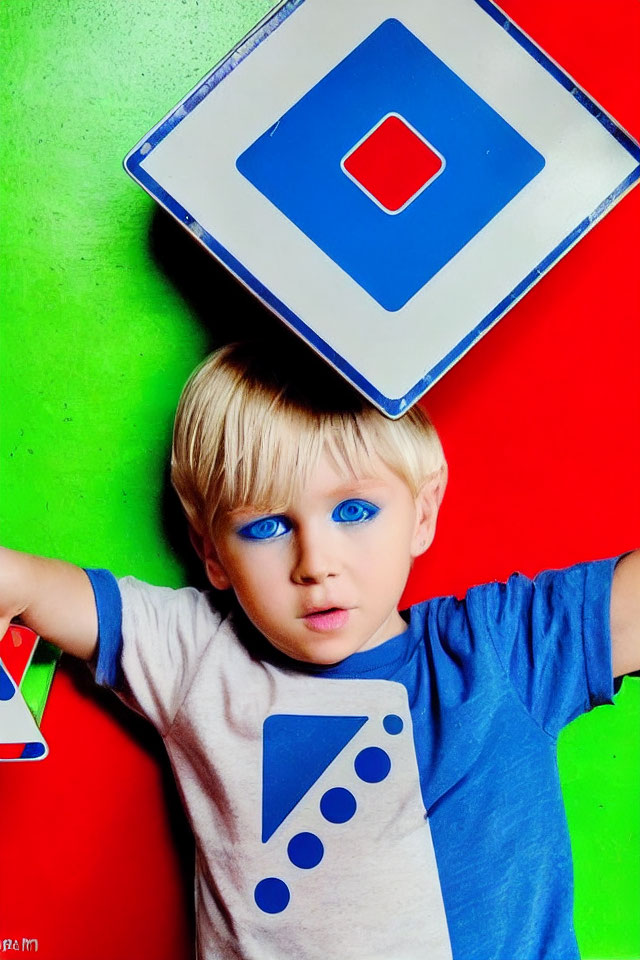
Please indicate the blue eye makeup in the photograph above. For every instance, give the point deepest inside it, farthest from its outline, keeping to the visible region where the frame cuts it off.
(266, 528)
(354, 511)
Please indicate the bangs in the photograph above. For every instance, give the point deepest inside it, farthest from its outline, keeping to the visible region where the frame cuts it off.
(268, 460)
(267, 465)
(249, 434)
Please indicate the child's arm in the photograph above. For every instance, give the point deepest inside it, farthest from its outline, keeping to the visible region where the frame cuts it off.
(625, 615)
(52, 597)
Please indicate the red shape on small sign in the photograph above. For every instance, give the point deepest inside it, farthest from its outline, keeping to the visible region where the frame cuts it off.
(11, 751)
(16, 648)
(393, 164)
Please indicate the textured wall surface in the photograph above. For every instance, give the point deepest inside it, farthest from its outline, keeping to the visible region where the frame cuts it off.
(105, 307)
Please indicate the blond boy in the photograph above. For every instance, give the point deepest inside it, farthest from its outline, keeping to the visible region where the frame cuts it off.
(361, 783)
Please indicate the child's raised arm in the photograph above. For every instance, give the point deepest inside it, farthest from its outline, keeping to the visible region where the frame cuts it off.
(52, 597)
(625, 615)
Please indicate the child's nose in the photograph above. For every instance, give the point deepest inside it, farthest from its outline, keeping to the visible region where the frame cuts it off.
(315, 560)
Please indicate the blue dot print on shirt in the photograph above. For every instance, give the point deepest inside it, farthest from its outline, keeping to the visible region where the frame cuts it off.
(305, 850)
(372, 764)
(338, 805)
(393, 724)
(272, 895)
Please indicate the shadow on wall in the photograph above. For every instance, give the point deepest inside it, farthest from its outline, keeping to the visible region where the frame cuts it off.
(225, 309)
(226, 312)
(148, 740)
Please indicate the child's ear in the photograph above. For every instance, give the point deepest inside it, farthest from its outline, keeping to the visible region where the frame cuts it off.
(428, 503)
(207, 553)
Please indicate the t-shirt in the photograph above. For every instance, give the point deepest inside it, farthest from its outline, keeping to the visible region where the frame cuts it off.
(403, 804)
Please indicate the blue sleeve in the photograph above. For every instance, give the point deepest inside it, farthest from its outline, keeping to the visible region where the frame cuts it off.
(109, 609)
(552, 636)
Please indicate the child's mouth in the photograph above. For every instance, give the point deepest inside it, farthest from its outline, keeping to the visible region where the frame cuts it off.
(334, 618)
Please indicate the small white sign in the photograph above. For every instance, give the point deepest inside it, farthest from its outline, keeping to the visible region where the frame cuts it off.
(20, 738)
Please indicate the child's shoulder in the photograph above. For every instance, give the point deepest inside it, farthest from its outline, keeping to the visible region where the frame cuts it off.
(519, 597)
(548, 637)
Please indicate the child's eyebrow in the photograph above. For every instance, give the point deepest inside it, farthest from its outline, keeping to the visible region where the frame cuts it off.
(360, 485)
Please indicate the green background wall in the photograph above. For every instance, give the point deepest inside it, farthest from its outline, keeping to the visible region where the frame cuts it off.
(105, 307)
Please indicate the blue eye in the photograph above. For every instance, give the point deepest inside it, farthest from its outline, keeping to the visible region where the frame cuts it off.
(354, 511)
(266, 528)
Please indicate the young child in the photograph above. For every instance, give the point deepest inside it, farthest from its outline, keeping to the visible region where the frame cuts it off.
(361, 783)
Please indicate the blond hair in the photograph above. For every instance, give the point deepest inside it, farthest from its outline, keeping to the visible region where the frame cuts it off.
(254, 419)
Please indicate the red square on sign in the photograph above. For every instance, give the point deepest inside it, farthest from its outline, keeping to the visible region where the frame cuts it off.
(393, 163)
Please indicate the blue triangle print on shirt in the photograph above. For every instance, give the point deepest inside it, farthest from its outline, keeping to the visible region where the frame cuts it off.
(296, 752)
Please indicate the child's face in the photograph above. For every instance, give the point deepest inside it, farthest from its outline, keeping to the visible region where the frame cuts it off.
(323, 580)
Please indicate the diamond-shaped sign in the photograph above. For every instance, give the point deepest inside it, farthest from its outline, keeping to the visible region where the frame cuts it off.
(294, 165)
(388, 177)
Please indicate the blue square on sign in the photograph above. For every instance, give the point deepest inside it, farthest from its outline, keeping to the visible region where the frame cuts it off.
(296, 164)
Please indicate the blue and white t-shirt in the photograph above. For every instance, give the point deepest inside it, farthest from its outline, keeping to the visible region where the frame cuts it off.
(403, 804)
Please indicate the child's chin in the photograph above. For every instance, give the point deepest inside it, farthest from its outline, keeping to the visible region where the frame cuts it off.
(326, 661)
(327, 657)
